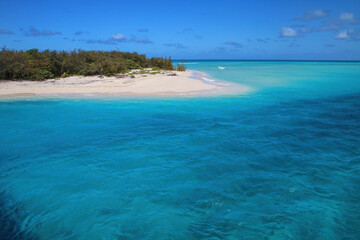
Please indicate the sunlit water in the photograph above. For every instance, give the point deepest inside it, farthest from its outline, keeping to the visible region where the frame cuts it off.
(282, 162)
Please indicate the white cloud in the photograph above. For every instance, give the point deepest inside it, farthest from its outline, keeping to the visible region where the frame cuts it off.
(347, 17)
(140, 40)
(114, 39)
(234, 44)
(6, 31)
(344, 34)
(288, 32)
(176, 45)
(313, 14)
(319, 13)
(305, 30)
(36, 33)
(118, 37)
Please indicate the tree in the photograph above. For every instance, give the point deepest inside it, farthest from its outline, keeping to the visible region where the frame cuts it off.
(36, 65)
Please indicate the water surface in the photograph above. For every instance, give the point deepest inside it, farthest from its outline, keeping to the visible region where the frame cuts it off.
(280, 163)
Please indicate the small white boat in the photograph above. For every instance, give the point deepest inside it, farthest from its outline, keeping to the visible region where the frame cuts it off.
(219, 67)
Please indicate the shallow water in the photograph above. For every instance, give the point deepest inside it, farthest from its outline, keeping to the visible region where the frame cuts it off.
(280, 163)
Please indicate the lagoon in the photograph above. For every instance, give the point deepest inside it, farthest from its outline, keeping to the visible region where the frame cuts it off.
(281, 162)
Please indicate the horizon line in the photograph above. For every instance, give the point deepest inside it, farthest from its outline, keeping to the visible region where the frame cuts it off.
(273, 60)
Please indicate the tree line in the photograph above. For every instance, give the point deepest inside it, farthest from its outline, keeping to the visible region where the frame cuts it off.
(39, 65)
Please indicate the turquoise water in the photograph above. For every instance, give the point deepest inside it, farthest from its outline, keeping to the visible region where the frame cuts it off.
(282, 162)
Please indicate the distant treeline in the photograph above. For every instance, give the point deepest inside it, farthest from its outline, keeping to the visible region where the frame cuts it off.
(36, 65)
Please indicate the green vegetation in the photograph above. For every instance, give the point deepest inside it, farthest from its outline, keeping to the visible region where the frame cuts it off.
(35, 65)
(180, 67)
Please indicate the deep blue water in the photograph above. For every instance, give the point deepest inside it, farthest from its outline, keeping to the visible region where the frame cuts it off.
(282, 162)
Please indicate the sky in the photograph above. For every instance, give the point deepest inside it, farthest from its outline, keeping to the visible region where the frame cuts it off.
(263, 29)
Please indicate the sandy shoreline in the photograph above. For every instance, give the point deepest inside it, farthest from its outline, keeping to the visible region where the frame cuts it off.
(188, 83)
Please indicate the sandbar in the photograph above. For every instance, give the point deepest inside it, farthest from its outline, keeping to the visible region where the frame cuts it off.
(160, 83)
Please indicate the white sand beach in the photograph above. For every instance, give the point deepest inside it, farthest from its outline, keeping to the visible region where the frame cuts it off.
(162, 83)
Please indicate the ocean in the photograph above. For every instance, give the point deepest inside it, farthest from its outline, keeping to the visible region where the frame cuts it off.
(281, 162)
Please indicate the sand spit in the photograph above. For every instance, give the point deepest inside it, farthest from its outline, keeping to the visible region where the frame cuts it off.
(160, 83)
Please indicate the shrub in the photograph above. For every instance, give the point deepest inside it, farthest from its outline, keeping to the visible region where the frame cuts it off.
(180, 67)
(41, 74)
(64, 75)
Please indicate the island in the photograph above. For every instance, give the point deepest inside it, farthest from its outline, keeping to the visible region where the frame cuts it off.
(101, 74)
